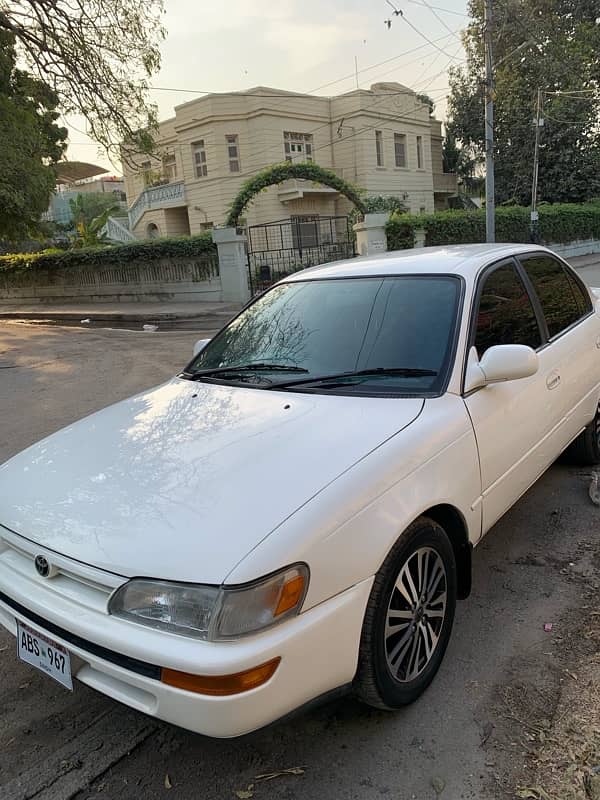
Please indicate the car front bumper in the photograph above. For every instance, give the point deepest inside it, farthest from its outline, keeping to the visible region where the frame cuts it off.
(318, 651)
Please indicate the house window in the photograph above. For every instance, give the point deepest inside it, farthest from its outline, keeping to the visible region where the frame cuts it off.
(169, 166)
(199, 158)
(146, 168)
(400, 149)
(379, 147)
(419, 152)
(233, 153)
(298, 146)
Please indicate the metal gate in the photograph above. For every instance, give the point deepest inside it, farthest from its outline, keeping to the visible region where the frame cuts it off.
(277, 249)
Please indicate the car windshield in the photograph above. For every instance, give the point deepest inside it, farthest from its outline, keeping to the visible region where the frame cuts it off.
(351, 335)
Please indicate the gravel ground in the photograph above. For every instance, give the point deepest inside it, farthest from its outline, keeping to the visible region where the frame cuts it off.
(505, 715)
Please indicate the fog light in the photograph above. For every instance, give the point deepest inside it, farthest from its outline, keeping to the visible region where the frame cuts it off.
(220, 685)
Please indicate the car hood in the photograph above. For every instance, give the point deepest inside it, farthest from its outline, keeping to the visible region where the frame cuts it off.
(180, 482)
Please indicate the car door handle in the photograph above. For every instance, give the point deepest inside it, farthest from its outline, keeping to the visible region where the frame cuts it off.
(598, 342)
(553, 380)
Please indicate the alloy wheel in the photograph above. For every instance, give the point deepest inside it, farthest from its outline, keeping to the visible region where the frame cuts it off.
(415, 614)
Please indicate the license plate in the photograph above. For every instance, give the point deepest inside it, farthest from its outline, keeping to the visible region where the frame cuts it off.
(41, 652)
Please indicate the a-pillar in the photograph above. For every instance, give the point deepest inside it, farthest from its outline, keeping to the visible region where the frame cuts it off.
(233, 265)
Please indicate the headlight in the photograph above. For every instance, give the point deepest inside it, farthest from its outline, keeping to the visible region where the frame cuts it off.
(211, 612)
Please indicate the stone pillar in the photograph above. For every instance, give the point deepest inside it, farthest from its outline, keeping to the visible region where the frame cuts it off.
(233, 264)
(419, 237)
(370, 235)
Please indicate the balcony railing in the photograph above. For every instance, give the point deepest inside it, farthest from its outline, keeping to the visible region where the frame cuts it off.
(169, 195)
(445, 182)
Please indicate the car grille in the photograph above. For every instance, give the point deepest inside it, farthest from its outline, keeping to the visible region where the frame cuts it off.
(87, 586)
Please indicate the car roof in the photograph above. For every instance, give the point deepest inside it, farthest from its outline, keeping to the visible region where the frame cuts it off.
(460, 259)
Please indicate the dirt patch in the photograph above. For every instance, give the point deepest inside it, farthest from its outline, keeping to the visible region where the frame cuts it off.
(544, 743)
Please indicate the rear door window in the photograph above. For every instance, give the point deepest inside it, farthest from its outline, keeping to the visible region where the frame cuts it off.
(582, 296)
(506, 314)
(555, 291)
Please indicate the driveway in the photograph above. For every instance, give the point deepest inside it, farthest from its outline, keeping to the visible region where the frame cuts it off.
(469, 736)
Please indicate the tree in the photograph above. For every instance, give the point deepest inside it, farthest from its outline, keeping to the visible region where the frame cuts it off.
(459, 160)
(90, 213)
(427, 101)
(553, 45)
(30, 143)
(89, 205)
(97, 57)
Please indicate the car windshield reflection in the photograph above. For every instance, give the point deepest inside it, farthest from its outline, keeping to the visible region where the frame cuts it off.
(381, 335)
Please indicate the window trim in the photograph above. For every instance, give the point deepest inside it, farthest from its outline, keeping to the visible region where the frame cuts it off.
(420, 152)
(568, 271)
(483, 274)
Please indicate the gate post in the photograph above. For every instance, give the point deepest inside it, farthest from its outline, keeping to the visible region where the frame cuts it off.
(370, 235)
(233, 266)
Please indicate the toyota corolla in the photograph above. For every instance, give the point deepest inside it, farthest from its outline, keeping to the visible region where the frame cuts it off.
(293, 515)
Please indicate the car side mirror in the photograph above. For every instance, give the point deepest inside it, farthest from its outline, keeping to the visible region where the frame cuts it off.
(200, 345)
(503, 362)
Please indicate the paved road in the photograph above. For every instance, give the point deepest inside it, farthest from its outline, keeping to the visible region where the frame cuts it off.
(56, 745)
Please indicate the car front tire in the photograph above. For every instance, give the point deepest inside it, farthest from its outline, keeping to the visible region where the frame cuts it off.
(409, 618)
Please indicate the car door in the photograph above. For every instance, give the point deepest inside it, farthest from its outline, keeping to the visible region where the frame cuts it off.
(513, 421)
(573, 332)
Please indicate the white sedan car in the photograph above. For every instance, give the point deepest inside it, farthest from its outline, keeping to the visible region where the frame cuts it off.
(294, 514)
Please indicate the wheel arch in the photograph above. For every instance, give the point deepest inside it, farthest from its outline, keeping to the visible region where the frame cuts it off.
(453, 522)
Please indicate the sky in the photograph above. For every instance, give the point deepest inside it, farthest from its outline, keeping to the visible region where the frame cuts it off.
(298, 45)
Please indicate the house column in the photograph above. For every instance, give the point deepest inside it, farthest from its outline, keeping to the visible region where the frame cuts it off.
(233, 265)
(370, 235)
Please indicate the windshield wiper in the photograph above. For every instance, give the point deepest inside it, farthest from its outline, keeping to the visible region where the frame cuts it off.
(345, 378)
(259, 366)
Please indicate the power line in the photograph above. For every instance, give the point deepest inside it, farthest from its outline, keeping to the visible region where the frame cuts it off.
(318, 88)
(399, 13)
(439, 19)
(423, 4)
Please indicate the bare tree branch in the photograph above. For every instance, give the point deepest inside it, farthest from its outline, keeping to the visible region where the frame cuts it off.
(97, 56)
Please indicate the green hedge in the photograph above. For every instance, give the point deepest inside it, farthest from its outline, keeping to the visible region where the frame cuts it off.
(148, 250)
(559, 223)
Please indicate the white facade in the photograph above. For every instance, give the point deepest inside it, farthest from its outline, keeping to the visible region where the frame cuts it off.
(382, 139)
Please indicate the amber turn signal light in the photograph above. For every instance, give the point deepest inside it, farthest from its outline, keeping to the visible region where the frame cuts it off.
(220, 685)
(290, 595)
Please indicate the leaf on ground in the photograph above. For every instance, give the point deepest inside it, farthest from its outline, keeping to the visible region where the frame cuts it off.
(533, 793)
(245, 794)
(168, 784)
(268, 776)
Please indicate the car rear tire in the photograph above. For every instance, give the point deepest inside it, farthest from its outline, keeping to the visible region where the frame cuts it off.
(409, 618)
(585, 450)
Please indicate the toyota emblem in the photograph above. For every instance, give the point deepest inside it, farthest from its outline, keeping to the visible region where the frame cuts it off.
(42, 566)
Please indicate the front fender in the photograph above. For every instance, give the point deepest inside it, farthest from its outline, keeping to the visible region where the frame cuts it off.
(346, 531)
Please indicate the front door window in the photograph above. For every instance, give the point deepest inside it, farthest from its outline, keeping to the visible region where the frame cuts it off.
(506, 314)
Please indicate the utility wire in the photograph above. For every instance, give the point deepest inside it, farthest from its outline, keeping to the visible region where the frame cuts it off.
(318, 88)
(440, 20)
(423, 4)
(399, 13)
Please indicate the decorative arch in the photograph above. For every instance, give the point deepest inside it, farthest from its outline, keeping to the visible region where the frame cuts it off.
(283, 172)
